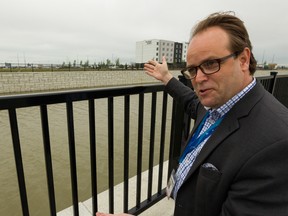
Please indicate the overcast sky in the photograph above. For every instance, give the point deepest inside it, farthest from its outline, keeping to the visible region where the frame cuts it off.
(56, 31)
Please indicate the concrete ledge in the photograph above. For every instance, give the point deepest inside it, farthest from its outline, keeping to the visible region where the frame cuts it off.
(69, 211)
(163, 207)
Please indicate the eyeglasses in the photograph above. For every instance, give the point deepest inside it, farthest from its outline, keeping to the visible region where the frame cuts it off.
(208, 67)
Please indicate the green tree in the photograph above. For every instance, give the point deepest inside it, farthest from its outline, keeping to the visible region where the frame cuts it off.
(108, 62)
(86, 64)
(117, 62)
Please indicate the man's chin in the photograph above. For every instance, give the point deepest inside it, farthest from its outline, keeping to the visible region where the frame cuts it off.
(208, 103)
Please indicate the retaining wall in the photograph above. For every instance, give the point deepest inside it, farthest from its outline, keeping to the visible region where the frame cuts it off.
(21, 82)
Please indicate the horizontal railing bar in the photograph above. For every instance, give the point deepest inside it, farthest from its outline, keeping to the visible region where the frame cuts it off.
(147, 204)
(36, 99)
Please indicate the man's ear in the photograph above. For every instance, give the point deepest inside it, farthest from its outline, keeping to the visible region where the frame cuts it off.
(244, 58)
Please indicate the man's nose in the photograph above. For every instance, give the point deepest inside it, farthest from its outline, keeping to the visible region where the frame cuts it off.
(200, 76)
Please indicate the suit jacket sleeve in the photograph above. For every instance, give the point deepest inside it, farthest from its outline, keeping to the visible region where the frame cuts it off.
(185, 96)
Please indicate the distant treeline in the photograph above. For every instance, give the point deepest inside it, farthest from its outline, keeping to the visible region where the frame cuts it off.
(108, 65)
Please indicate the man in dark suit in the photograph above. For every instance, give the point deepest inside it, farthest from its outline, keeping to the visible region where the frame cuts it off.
(236, 159)
(235, 162)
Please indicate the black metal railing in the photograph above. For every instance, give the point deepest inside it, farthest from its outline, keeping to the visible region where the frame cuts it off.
(276, 85)
(180, 127)
(12, 103)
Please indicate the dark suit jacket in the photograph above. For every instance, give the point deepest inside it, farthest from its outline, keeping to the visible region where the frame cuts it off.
(250, 151)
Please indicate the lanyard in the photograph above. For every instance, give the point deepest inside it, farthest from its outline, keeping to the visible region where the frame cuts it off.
(196, 139)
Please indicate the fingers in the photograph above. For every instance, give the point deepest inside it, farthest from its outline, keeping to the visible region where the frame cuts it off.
(103, 214)
(150, 66)
(100, 214)
(151, 63)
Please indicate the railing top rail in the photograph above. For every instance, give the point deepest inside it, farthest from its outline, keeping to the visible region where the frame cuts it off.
(36, 99)
(264, 77)
(282, 76)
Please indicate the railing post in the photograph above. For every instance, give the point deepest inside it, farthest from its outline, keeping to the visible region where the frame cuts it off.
(272, 85)
(280, 90)
(92, 129)
(18, 161)
(48, 159)
(72, 155)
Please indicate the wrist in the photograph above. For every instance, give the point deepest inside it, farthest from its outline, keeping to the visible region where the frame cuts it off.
(167, 78)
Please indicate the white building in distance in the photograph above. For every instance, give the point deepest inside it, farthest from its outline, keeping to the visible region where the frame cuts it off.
(174, 52)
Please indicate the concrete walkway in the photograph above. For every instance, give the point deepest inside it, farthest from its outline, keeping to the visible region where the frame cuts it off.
(163, 207)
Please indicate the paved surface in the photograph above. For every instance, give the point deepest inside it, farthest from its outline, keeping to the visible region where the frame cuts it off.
(163, 207)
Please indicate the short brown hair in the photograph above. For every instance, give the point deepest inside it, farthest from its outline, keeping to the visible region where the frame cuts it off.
(239, 37)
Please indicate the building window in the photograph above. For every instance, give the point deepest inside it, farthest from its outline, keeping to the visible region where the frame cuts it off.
(157, 54)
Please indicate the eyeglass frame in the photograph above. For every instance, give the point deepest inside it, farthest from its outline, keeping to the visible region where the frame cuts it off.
(219, 61)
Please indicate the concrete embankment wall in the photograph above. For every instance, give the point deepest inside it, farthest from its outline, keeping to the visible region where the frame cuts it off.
(23, 82)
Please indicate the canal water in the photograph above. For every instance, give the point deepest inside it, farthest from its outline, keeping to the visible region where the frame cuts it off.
(33, 155)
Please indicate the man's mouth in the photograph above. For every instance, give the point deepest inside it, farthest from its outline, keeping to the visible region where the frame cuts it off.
(203, 91)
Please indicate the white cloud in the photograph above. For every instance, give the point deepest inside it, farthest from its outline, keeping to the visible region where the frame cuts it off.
(57, 30)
